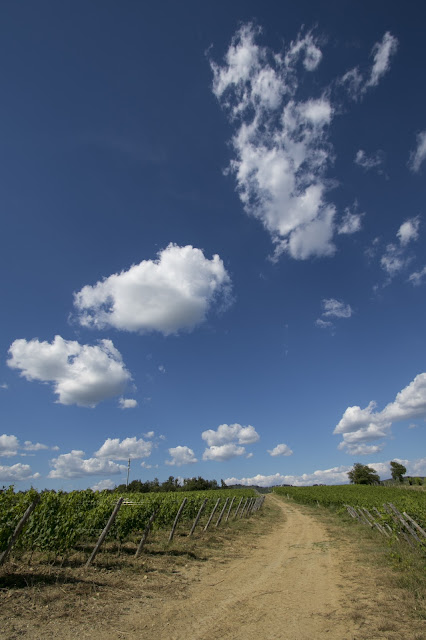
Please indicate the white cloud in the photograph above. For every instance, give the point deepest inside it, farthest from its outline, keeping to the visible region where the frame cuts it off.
(180, 456)
(73, 465)
(361, 425)
(16, 473)
(351, 222)
(128, 448)
(382, 53)
(81, 374)
(9, 445)
(324, 324)
(34, 446)
(281, 145)
(418, 156)
(418, 277)
(408, 231)
(223, 452)
(336, 309)
(169, 294)
(363, 449)
(149, 434)
(127, 403)
(103, 484)
(395, 258)
(373, 161)
(335, 475)
(4, 386)
(228, 432)
(280, 450)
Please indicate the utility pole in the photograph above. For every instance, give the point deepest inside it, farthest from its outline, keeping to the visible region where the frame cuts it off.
(128, 471)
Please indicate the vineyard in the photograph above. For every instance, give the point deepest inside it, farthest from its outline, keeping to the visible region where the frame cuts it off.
(385, 503)
(62, 521)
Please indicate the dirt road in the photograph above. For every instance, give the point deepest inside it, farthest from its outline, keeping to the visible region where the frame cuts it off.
(289, 587)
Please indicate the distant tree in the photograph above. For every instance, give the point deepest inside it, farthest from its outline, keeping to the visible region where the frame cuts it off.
(397, 470)
(362, 474)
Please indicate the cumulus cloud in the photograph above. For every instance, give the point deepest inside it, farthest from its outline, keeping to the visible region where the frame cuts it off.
(103, 484)
(128, 448)
(127, 403)
(81, 374)
(335, 475)
(324, 324)
(180, 456)
(368, 162)
(419, 154)
(34, 446)
(355, 81)
(170, 294)
(395, 258)
(361, 425)
(223, 452)
(4, 386)
(228, 432)
(74, 465)
(16, 473)
(280, 450)
(8, 445)
(149, 434)
(281, 143)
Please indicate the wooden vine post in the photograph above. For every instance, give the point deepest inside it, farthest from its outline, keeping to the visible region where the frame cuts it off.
(238, 508)
(211, 515)
(146, 532)
(200, 511)
(222, 512)
(104, 532)
(172, 532)
(229, 510)
(19, 528)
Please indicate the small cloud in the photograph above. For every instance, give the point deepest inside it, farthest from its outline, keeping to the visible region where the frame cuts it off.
(336, 309)
(249, 455)
(55, 448)
(16, 473)
(351, 222)
(162, 437)
(408, 231)
(280, 450)
(418, 277)
(223, 452)
(229, 432)
(162, 368)
(127, 448)
(369, 162)
(180, 456)
(413, 425)
(30, 446)
(324, 324)
(149, 434)
(419, 154)
(4, 386)
(127, 403)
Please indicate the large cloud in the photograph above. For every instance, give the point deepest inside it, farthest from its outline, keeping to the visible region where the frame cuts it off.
(16, 473)
(8, 445)
(223, 452)
(81, 374)
(74, 465)
(281, 144)
(128, 448)
(181, 455)
(169, 294)
(228, 432)
(364, 425)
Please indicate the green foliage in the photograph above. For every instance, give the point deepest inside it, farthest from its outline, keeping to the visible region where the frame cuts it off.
(413, 502)
(62, 520)
(397, 471)
(362, 474)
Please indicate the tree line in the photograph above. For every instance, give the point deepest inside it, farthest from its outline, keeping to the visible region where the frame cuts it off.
(363, 474)
(171, 484)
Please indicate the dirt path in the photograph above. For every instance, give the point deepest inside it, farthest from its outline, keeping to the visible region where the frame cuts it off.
(287, 588)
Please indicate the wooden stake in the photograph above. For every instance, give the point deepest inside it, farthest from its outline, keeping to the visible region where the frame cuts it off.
(414, 523)
(172, 532)
(403, 522)
(146, 532)
(238, 508)
(244, 508)
(229, 510)
(211, 515)
(198, 517)
(104, 532)
(222, 512)
(18, 528)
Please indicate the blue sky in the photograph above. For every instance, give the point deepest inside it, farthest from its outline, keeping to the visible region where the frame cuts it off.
(213, 241)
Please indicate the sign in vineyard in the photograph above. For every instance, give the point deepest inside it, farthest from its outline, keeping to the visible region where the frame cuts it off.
(57, 521)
